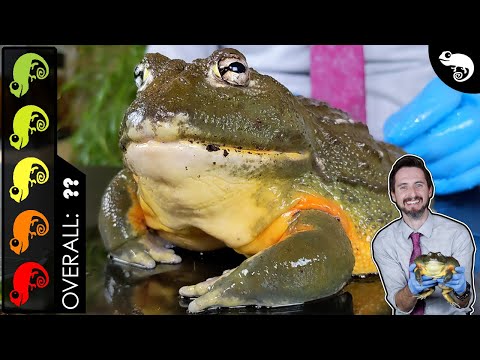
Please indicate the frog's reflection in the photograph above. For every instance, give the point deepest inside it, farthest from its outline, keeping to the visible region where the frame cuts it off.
(130, 290)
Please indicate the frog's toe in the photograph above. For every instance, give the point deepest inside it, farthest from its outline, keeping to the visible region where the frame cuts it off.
(133, 253)
(198, 289)
(159, 250)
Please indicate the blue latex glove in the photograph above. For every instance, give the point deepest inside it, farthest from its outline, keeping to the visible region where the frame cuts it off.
(442, 126)
(458, 282)
(414, 286)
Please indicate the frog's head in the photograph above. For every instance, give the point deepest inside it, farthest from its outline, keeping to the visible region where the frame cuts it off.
(431, 264)
(212, 102)
(435, 256)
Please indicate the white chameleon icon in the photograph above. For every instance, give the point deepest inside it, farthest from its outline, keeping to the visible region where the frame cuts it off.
(458, 61)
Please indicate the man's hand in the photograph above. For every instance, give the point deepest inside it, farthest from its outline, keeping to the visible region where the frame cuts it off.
(416, 287)
(442, 126)
(458, 282)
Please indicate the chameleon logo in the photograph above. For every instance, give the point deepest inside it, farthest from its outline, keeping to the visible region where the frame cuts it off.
(28, 276)
(27, 225)
(27, 120)
(28, 67)
(456, 61)
(27, 172)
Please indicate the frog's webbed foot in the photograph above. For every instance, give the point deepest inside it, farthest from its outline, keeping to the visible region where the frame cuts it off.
(123, 229)
(144, 252)
(314, 261)
(447, 294)
(426, 293)
(202, 287)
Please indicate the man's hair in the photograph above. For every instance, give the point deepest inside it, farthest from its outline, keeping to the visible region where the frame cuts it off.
(409, 161)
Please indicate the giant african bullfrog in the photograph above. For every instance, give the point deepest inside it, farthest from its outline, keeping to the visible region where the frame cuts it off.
(437, 266)
(219, 155)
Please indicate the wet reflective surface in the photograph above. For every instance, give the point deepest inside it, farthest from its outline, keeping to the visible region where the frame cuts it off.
(118, 289)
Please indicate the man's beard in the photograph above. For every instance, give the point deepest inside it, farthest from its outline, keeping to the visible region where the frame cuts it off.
(414, 214)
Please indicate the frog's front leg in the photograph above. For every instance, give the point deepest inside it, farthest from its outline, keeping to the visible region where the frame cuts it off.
(123, 229)
(314, 261)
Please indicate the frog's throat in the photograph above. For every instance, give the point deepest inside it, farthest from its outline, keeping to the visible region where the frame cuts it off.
(435, 268)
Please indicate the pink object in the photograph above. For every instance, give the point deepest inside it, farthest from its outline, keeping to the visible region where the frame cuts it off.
(337, 74)
(419, 308)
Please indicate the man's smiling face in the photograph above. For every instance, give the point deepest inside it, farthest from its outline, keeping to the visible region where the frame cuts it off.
(411, 192)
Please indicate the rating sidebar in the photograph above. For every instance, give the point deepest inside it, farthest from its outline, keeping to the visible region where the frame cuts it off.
(29, 110)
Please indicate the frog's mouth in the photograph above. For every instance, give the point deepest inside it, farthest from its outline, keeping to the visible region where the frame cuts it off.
(171, 161)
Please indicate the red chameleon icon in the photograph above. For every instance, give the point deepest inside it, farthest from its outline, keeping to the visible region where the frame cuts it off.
(27, 277)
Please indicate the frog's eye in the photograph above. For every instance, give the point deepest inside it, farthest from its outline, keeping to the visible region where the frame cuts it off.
(448, 54)
(233, 70)
(142, 76)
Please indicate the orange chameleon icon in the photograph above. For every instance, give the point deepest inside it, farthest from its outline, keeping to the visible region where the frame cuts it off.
(26, 226)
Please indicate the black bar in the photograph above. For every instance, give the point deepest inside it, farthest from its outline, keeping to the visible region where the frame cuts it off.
(29, 99)
(70, 242)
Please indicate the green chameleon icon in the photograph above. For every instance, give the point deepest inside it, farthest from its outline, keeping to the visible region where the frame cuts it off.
(27, 120)
(27, 172)
(22, 72)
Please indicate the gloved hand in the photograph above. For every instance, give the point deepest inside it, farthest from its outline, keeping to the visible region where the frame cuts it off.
(458, 282)
(442, 126)
(415, 287)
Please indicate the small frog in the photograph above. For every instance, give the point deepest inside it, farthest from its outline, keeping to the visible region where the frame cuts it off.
(219, 155)
(27, 120)
(23, 179)
(23, 232)
(22, 73)
(437, 266)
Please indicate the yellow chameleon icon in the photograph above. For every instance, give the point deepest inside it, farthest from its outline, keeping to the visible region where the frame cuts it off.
(27, 172)
(27, 120)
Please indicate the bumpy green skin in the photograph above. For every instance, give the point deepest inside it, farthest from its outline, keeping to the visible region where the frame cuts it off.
(345, 164)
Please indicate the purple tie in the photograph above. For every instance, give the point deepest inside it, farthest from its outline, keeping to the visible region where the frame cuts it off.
(419, 308)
